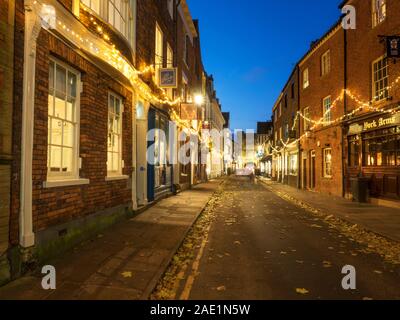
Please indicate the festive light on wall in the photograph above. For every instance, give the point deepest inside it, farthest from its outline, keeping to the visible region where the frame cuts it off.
(105, 50)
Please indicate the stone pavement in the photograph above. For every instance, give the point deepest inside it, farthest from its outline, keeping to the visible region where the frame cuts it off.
(127, 260)
(380, 220)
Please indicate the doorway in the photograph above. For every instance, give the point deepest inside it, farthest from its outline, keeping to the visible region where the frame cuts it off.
(305, 173)
(312, 169)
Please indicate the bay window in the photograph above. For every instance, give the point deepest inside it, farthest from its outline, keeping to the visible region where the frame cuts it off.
(63, 122)
(92, 4)
(118, 13)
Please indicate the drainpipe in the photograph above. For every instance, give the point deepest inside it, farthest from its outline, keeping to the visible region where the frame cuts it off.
(32, 29)
(345, 112)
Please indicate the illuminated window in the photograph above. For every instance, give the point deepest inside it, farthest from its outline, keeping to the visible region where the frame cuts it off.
(380, 79)
(118, 13)
(327, 165)
(170, 64)
(293, 165)
(92, 4)
(306, 80)
(378, 12)
(382, 147)
(306, 123)
(63, 122)
(326, 63)
(159, 51)
(327, 106)
(114, 145)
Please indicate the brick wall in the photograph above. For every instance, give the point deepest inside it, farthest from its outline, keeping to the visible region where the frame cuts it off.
(364, 48)
(312, 97)
(59, 205)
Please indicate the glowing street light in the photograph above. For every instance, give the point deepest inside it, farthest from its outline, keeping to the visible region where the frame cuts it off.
(198, 99)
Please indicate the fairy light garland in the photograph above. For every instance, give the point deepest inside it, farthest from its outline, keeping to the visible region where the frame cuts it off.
(361, 106)
(107, 52)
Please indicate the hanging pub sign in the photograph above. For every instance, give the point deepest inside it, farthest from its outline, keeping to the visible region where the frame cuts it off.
(393, 46)
(168, 78)
(189, 111)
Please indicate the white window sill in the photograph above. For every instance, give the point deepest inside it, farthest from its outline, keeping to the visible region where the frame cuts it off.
(65, 183)
(117, 178)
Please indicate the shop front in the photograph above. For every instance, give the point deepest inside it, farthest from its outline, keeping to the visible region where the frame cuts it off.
(373, 152)
(159, 173)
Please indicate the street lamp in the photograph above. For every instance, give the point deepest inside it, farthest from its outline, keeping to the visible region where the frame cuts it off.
(198, 99)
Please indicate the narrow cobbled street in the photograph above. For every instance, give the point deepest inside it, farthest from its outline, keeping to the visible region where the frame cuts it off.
(250, 243)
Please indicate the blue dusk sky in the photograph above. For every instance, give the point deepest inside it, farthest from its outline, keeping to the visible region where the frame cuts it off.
(251, 47)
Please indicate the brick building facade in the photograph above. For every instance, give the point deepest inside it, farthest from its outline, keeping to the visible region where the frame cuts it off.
(322, 73)
(348, 100)
(85, 93)
(373, 151)
(285, 161)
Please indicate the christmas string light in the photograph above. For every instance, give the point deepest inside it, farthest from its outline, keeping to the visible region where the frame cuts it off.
(108, 53)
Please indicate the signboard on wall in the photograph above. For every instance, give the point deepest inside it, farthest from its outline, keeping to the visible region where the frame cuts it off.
(189, 111)
(381, 122)
(393, 47)
(168, 78)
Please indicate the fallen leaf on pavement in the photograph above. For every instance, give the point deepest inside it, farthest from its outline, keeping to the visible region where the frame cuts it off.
(302, 291)
(127, 274)
(316, 226)
(327, 264)
(221, 288)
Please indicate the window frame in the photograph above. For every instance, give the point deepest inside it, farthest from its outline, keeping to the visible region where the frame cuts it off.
(377, 138)
(375, 14)
(375, 96)
(74, 174)
(293, 170)
(326, 63)
(324, 165)
(120, 135)
(306, 114)
(306, 80)
(103, 13)
(170, 6)
(327, 119)
(159, 48)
